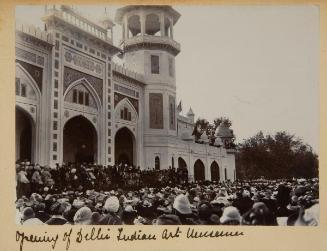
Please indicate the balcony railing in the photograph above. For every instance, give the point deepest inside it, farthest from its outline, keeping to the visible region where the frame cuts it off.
(150, 39)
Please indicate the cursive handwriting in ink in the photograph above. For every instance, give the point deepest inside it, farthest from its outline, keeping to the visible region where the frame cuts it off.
(170, 235)
(67, 238)
(135, 236)
(192, 233)
(20, 236)
(94, 235)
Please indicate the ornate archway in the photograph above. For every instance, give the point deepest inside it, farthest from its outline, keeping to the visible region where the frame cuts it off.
(125, 152)
(25, 136)
(214, 168)
(80, 141)
(199, 170)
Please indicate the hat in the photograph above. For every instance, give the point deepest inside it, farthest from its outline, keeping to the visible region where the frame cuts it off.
(221, 200)
(83, 216)
(27, 213)
(129, 208)
(311, 215)
(19, 203)
(230, 214)
(168, 219)
(182, 204)
(112, 204)
(78, 203)
(95, 218)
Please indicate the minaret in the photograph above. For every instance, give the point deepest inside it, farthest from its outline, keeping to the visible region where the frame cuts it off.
(149, 49)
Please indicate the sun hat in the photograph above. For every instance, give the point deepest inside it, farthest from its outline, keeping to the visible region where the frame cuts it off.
(83, 216)
(112, 204)
(230, 214)
(182, 204)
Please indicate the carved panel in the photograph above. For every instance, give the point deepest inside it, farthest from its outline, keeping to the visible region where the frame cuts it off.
(156, 110)
(126, 91)
(71, 75)
(34, 71)
(83, 62)
(119, 97)
(172, 120)
(29, 56)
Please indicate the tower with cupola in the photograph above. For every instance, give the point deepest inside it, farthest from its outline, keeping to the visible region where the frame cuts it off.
(149, 48)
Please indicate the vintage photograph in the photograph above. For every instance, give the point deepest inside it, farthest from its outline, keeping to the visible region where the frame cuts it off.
(167, 115)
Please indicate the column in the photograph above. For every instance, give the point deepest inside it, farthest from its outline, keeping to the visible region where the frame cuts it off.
(162, 25)
(142, 21)
(125, 27)
(171, 29)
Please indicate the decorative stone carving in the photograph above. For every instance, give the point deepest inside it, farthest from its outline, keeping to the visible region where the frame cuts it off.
(119, 97)
(34, 71)
(172, 111)
(126, 90)
(66, 114)
(156, 110)
(71, 75)
(83, 62)
(32, 109)
(29, 56)
(40, 60)
(94, 119)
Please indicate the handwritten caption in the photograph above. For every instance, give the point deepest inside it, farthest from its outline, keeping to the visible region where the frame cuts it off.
(118, 234)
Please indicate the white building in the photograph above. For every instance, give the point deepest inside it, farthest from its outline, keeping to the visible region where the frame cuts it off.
(73, 104)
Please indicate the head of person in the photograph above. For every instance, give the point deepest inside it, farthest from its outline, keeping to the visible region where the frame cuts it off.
(205, 210)
(112, 205)
(230, 216)
(129, 215)
(83, 216)
(27, 213)
(182, 205)
(167, 219)
(260, 215)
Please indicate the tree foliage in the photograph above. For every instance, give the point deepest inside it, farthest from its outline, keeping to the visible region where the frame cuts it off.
(275, 156)
(204, 126)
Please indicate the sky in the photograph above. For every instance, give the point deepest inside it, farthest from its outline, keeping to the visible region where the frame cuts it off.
(256, 65)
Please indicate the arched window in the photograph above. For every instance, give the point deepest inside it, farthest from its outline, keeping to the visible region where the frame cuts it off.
(152, 25)
(157, 163)
(225, 174)
(172, 162)
(134, 25)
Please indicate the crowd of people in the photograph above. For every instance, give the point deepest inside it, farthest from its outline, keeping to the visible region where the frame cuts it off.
(96, 195)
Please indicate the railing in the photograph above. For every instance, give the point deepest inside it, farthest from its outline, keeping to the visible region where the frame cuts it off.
(35, 32)
(81, 23)
(151, 39)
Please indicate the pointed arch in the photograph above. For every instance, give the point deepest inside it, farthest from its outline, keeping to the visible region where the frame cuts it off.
(83, 81)
(32, 82)
(125, 146)
(125, 102)
(215, 172)
(80, 140)
(199, 171)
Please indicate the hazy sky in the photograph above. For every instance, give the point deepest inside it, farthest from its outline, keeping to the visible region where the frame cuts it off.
(257, 65)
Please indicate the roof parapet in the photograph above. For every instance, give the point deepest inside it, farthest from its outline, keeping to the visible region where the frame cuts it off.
(35, 32)
(131, 74)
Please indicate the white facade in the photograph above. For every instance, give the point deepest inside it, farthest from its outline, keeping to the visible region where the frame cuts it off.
(74, 104)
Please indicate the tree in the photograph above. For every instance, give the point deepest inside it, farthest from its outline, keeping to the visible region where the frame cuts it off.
(200, 127)
(275, 156)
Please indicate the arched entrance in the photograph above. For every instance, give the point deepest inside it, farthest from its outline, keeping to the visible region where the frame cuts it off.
(181, 163)
(182, 171)
(214, 168)
(80, 141)
(124, 147)
(24, 136)
(199, 172)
